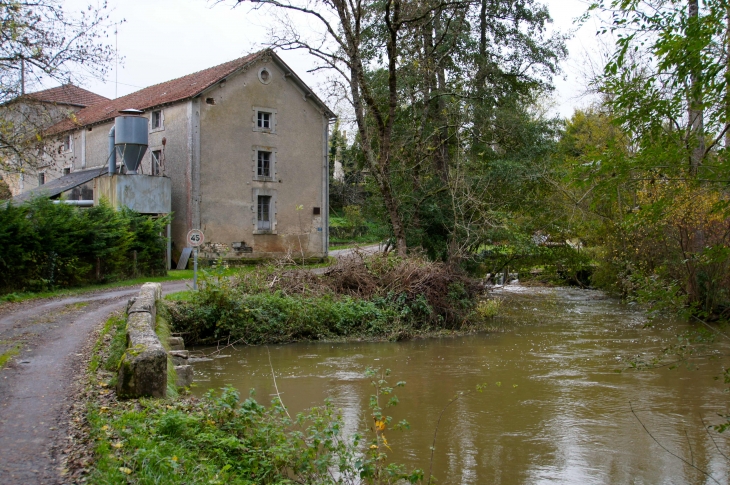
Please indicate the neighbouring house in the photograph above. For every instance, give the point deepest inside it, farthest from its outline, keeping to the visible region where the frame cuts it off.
(23, 119)
(245, 145)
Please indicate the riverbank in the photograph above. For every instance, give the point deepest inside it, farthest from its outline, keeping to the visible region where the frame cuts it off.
(362, 297)
(552, 377)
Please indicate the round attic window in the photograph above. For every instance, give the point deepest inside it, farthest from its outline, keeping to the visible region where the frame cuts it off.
(264, 75)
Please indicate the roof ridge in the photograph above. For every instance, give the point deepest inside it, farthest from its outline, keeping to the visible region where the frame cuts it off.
(168, 92)
(255, 54)
(160, 94)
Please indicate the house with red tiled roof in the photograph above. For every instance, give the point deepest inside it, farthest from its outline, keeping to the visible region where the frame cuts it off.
(24, 118)
(67, 95)
(245, 145)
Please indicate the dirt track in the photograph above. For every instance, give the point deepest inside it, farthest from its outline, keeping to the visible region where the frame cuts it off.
(35, 387)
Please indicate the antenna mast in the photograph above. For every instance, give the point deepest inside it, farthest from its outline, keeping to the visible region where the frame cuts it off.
(116, 53)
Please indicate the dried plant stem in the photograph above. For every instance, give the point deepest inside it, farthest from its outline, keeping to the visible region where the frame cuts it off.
(667, 450)
(436, 430)
(273, 374)
(713, 439)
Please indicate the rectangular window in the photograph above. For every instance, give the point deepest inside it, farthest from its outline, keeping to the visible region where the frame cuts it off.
(41, 179)
(67, 143)
(156, 162)
(156, 120)
(264, 164)
(264, 120)
(263, 219)
(66, 171)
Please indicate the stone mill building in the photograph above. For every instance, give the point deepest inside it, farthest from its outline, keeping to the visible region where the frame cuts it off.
(244, 144)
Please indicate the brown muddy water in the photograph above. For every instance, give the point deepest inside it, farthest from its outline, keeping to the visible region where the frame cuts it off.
(561, 414)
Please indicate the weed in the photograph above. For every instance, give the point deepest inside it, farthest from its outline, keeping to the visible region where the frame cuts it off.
(489, 308)
(9, 354)
(221, 438)
(117, 327)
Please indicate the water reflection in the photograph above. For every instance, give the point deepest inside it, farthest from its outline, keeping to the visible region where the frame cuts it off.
(561, 413)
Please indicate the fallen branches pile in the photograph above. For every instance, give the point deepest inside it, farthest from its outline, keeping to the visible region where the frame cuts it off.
(446, 289)
(363, 297)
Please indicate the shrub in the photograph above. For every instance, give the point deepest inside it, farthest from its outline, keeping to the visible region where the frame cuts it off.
(489, 308)
(673, 250)
(47, 245)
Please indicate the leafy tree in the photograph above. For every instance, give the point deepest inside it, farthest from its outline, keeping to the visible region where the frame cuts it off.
(657, 178)
(667, 83)
(406, 69)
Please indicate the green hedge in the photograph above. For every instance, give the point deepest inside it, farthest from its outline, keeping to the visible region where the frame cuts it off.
(45, 245)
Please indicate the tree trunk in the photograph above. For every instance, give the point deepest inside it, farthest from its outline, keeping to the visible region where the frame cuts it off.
(696, 112)
(727, 80)
(391, 205)
(695, 237)
(442, 152)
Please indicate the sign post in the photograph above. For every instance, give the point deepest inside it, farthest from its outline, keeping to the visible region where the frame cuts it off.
(195, 239)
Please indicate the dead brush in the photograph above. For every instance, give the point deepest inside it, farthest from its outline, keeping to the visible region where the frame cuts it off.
(446, 289)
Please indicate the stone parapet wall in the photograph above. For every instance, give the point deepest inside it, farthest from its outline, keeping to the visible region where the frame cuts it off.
(143, 369)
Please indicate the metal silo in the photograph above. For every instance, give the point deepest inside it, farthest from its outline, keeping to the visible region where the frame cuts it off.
(130, 138)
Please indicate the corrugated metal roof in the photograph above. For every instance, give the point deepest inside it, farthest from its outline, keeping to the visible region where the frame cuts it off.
(60, 185)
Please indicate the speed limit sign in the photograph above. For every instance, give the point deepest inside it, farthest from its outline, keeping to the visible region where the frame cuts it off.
(195, 238)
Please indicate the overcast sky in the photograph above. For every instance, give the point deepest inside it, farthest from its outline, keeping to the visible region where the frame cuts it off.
(164, 39)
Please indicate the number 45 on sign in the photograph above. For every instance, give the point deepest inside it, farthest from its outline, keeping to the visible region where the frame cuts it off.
(195, 239)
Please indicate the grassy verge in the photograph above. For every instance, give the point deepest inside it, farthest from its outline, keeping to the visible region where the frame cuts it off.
(340, 243)
(23, 296)
(175, 275)
(352, 245)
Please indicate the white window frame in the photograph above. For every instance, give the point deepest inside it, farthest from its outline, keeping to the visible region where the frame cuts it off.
(272, 210)
(159, 162)
(272, 119)
(272, 163)
(41, 175)
(162, 120)
(67, 144)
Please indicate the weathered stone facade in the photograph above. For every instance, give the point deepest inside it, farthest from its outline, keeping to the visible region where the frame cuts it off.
(246, 154)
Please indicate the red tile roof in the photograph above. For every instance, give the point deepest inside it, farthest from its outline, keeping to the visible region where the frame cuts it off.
(160, 94)
(68, 94)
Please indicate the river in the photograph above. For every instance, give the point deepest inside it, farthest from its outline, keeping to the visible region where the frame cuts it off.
(558, 403)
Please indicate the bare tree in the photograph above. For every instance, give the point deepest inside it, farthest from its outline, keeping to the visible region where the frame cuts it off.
(40, 42)
(362, 41)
